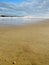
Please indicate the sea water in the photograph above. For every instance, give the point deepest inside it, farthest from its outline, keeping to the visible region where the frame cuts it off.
(18, 20)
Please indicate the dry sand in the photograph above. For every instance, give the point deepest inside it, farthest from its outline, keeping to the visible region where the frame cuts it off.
(28, 45)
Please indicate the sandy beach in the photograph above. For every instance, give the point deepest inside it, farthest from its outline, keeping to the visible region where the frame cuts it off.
(26, 45)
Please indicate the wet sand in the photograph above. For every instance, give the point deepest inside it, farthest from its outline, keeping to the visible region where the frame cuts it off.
(25, 45)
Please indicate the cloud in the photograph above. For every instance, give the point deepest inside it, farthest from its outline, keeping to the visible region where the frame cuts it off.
(27, 7)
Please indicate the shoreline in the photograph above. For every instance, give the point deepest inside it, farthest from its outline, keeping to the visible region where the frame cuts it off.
(24, 24)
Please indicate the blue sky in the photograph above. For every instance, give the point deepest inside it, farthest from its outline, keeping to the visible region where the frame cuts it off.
(25, 7)
(15, 1)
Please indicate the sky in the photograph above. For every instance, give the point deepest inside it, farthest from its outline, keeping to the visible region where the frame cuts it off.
(15, 1)
(35, 8)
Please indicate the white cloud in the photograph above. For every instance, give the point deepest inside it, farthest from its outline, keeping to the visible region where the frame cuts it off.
(28, 7)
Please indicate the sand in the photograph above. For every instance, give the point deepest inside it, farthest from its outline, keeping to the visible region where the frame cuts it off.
(26, 45)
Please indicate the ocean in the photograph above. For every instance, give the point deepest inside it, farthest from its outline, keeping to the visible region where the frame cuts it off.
(19, 20)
